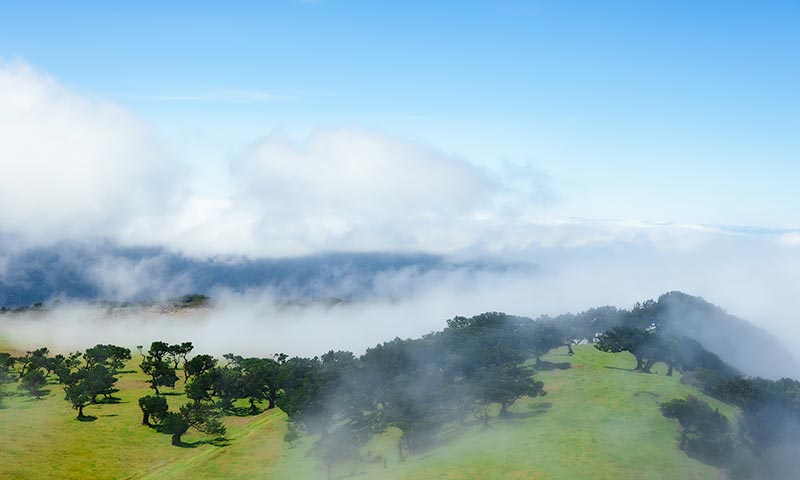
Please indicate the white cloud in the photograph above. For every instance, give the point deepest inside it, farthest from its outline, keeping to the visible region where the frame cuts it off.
(789, 239)
(72, 167)
(220, 96)
(77, 168)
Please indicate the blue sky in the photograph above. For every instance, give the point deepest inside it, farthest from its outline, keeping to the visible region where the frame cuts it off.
(683, 112)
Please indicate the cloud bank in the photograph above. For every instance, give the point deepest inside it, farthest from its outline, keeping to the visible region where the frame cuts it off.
(72, 167)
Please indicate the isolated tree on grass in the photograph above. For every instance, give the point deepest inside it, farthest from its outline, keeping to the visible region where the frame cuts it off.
(153, 407)
(33, 381)
(199, 416)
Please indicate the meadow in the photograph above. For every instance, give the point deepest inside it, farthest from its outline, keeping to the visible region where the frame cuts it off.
(598, 420)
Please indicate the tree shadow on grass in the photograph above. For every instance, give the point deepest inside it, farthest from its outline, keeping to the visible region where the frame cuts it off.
(534, 410)
(45, 394)
(109, 400)
(620, 368)
(87, 418)
(170, 394)
(549, 366)
(215, 442)
(239, 412)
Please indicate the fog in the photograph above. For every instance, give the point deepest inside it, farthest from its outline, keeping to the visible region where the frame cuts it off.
(750, 277)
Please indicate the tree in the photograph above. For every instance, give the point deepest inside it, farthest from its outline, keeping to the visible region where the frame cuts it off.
(341, 446)
(78, 395)
(153, 406)
(506, 385)
(199, 416)
(33, 381)
(99, 381)
(200, 387)
(226, 385)
(158, 365)
(313, 388)
(543, 337)
(645, 346)
(32, 360)
(704, 432)
(83, 382)
(198, 365)
(259, 381)
(179, 353)
(6, 362)
(110, 355)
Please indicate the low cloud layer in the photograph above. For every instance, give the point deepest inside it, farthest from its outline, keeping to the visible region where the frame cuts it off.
(410, 301)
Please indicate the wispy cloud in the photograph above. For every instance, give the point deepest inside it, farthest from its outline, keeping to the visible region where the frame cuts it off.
(215, 96)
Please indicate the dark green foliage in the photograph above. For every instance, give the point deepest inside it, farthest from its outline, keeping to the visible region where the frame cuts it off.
(79, 395)
(227, 386)
(85, 381)
(6, 363)
(543, 337)
(32, 360)
(506, 385)
(199, 416)
(259, 381)
(154, 407)
(198, 365)
(178, 352)
(313, 388)
(160, 366)
(704, 432)
(112, 356)
(769, 426)
(200, 387)
(644, 345)
(33, 382)
(99, 381)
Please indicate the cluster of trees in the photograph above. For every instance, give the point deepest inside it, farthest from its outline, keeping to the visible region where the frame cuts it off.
(769, 426)
(767, 438)
(416, 386)
(85, 376)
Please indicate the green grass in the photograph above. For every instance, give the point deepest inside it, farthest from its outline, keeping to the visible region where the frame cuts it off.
(599, 420)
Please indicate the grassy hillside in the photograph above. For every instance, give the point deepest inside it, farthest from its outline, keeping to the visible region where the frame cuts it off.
(598, 420)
